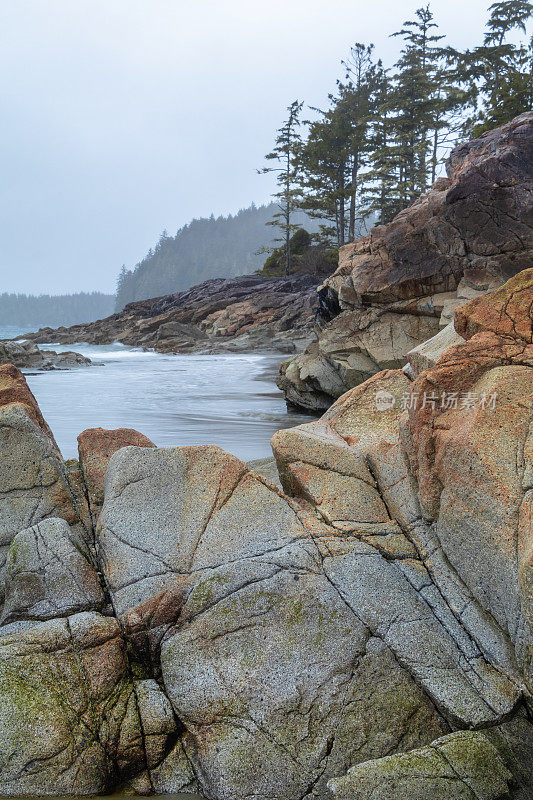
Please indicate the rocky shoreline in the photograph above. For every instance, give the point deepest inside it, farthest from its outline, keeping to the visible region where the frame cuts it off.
(352, 619)
(251, 313)
(400, 285)
(27, 355)
(177, 623)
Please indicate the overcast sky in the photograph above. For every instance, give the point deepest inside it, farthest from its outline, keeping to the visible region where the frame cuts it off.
(124, 117)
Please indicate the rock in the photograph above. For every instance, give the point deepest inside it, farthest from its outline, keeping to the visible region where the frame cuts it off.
(368, 628)
(426, 355)
(34, 482)
(509, 313)
(240, 567)
(69, 712)
(95, 448)
(463, 765)
(395, 287)
(266, 467)
(26, 355)
(47, 576)
(471, 454)
(15, 391)
(221, 315)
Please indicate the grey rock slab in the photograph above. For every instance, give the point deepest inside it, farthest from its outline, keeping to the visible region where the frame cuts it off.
(463, 765)
(47, 576)
(34, 481)
(460, 681)
(426, 355)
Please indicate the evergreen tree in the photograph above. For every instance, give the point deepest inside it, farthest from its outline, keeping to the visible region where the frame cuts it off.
(499, 73)
(382, 186)
(356, 95)
(417, 111)
(335, 155)
(287, 152)
(121, 278)
(325, 172)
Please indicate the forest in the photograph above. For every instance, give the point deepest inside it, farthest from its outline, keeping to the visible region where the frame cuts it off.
(31, 311)
(381, 141)
(205, 248)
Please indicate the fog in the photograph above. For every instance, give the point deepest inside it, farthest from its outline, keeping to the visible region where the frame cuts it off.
(124, 117)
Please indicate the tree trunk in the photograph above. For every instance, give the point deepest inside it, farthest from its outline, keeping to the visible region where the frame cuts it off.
(342, 213)
(288, 243)
(434, 154)
(355, 171)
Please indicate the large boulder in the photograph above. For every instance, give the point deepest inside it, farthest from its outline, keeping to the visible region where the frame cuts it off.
(71, 716)
(464, 765)
(397, 286)
(224, 586)
(34, 481)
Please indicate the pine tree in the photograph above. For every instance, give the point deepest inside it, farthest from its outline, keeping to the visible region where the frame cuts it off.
(417, 113)
(325, 160)
(334, 158)
(356, 95)
(121, 278)
(499, 73)
(381, 191)
(287, 152)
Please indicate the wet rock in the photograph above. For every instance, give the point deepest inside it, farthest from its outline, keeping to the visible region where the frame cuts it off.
(26, 355)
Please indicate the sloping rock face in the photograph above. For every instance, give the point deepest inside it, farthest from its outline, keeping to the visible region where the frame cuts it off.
(95, 448)
(26, 355)
(235, 315)
(365, 633)
(397, 286)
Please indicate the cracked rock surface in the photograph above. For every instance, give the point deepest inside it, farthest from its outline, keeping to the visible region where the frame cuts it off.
(183, 625)
(396, 287)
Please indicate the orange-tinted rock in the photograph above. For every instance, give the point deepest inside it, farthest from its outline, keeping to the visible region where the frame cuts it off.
(455, 375)
(508, 311)
(95, 448)
(15, 390)
(468, 444)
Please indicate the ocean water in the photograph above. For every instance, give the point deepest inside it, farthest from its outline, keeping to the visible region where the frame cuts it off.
(230, 400)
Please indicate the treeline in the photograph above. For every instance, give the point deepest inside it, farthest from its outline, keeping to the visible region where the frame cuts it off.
(29, 311)
(379, 143)
(205, 248)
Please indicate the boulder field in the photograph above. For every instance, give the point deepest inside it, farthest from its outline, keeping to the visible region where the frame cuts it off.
(171, 621)
(400, 285)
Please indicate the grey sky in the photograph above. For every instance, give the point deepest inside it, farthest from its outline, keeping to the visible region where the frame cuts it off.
(124, 117)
